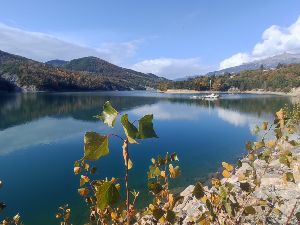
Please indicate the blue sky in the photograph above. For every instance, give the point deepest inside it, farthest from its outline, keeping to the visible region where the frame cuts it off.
(172, 38)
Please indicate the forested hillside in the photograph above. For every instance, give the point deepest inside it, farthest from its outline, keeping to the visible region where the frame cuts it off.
(21, 74)
(283, 78)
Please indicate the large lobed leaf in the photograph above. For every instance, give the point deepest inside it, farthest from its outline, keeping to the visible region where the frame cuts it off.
(109, 114)
(107, 194)
(95, 146)
(130, 130)
(146, 128)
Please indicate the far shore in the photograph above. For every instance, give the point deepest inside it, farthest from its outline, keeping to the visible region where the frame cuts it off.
(294, 93)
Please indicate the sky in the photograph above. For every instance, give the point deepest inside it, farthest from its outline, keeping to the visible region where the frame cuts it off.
(170, 38)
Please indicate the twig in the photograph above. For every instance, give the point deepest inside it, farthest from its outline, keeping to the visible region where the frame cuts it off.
(291, 214)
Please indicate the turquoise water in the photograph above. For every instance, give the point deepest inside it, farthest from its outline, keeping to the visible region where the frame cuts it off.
(41, 135)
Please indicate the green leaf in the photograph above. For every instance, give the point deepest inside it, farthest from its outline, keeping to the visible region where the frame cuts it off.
(95, 146)
(289, 177)
(228, 207)
(198, 191)
(249, 210)
(154, 171)
(293, 143)
(278, 133)
(171, 216)
(284, 160)
(298, 216)
(107, 194)
(210, 209)
(157, 213)
(155, 187)
(146, 128)
(109, 114)
(259, 144)
(130, 130)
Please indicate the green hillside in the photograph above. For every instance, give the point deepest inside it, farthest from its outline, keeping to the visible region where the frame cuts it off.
(21, 74)
(283, 78)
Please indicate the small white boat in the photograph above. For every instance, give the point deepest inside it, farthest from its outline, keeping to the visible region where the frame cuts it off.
(212, 96)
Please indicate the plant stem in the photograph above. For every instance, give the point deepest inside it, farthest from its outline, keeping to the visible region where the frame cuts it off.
(126, 182)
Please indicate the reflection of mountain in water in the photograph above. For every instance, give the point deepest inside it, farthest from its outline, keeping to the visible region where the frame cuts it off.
(258, 106)
(21, 108)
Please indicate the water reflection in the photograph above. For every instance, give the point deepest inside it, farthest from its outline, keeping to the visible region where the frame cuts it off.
(41, 136)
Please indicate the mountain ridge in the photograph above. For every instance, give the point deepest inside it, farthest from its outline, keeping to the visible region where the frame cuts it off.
(18, 73)
(267, 63)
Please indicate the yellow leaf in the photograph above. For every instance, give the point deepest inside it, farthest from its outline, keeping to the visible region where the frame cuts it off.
(125, 155)
(241, 177)
(226, 173)
(227, 166)
(215, 199)
(163, 174)
(86, 166)
(174, 171)
(204, 198)
(171, 200)
(162, 220)
(271, 144)
(204, 221)
(265, 125)
(259, 144)
(77, 170)
(215, 182)
(130, 164)
(280, 114)
(251, 157)
(114, 216)
(83, 180)
(83, 191)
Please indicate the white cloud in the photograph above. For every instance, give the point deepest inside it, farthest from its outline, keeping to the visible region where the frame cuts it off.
(275, 40)
(43, 131)
(171, 67)
(44, 47)
(166, 111)
(235, 60)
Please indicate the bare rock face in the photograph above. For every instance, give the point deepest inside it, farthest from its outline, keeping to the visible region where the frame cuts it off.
(189, 208)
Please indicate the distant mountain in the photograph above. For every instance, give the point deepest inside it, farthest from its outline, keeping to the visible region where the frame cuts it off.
(57, 62)
(21, 74)
(104, 68)
(267, 63)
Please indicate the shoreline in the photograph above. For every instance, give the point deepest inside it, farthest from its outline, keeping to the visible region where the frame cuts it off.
(294, 93)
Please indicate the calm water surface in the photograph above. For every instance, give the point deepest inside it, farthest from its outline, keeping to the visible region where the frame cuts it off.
(41, 135)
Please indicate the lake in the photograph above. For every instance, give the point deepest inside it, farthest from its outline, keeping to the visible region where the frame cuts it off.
(41, 135)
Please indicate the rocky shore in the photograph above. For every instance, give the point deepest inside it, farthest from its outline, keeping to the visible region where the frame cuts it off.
(272, 186)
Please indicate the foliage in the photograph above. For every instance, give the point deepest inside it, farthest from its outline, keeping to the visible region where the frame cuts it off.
(64, 214)
(160, 171)
(283, 78)
(104, 196)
